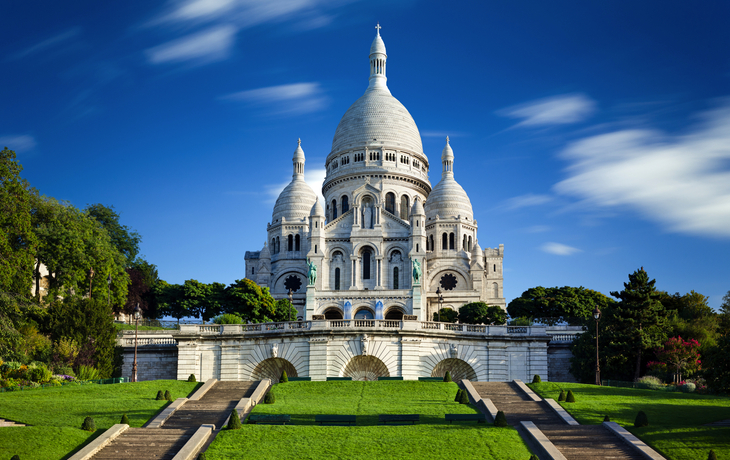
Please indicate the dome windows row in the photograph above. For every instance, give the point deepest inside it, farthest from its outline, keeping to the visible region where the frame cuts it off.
(376, 155)
(448, 241)
(292, 243)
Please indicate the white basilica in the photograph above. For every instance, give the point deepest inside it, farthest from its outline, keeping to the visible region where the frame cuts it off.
(381, 218)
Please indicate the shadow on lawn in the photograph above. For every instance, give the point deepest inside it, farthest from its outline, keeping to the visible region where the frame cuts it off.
(93, 436)
(372, 420)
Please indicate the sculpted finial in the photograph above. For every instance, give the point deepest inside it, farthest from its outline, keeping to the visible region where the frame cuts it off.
(299, 142)
(447, 139)
(378, 28)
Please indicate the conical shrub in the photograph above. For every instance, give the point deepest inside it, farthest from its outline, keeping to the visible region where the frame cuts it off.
(447, 377)
(458, 395)
(284, 378)
(201, 456)
(464, 399)
(712, 455)
(160, 396)
(15, 457)
(607, 419)
(124, 419)
(570, 397)
(561, 396)
(536, 379)
(235, 422)
(641, 419)
(89, 424)
(534, 457)
(192, 378)
(270, 398)
(500, 419)
(168, 396)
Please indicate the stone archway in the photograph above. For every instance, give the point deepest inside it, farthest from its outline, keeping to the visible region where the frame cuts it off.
(458, 368)
(271, 369)
(365, 368)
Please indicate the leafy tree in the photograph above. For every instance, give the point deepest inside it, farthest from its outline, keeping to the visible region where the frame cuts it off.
(169, 299)
(691, 317)
(17, 240)
(639, 316)
(446, 315)
(724, 317)
(717, 365)
(255, 304)
(202, 300)
(228, 318)
(557, 305)
(122, 237)
(481, 313)
(682, 355)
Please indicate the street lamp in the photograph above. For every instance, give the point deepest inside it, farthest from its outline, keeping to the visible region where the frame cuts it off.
(291, 304)
(441, 301)
(597, 316)
(137, 314)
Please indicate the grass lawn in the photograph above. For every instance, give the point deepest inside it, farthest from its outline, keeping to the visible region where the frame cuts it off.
(56, 414)
(431, 438)
(675, 419)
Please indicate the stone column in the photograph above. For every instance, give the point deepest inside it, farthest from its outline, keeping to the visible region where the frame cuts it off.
(418, 300)
(410, 358)
(311, 303)
(230, 361)
(354, 262)
(318, 359)
(497, 362)
(379, 274)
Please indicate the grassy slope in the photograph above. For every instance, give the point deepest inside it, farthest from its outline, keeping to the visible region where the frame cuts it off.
(675, 419)
(57, 413)
(432, 438)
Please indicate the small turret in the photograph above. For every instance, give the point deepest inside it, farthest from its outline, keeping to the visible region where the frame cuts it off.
(447, 160)
(378, 58)
(298, 160)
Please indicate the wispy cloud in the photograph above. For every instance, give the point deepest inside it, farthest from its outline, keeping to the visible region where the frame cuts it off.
(46, 44)
(682, 182)
(530, 199)
(211, 45)
(559, 249)
(557, 110)
(442, 134)
(291, 99)
(20, 144)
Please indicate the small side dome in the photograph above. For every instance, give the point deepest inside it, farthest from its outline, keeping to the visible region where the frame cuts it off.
(476, 251)
(417, 209)
(296, 200)
(317, 210)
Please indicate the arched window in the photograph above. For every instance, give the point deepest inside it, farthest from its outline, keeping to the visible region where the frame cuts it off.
(495, 268)
(278, 245)
(469, 247)
(390, 202)
(345, 204)
(337, 279)
(451, 240)
(366, 264)
(273, 245)
(444, 242)
(495, 288)
(291, 243)
(404, 208)
(334, 209)
(297, 243)
(432, 245)
(395, 277)
(463, 244)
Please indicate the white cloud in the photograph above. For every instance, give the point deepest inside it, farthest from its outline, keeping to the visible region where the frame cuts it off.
(21, 143)
(682, 182)
(213, 44)
(559, 249)
(557, 110)
(48, 43)
(530, 199)
(291, 99)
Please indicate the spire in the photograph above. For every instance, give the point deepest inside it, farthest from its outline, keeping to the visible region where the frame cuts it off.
(298, 161)
(447, 160)
(377, 63)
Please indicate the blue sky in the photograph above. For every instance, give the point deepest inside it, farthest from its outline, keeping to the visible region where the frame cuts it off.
(592, 137)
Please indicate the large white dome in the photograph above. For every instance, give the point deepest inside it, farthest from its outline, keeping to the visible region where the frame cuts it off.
(377, 119)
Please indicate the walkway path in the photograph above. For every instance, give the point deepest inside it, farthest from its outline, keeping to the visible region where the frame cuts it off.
(583, 442)
(163, 443)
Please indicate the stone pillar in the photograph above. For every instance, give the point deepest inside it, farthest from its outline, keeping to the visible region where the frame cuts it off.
(497, 362)
(230, 361)
(379, 274)
(318, 359)
(410, 358)
(354, 262)
(418, 299)
(311, 302)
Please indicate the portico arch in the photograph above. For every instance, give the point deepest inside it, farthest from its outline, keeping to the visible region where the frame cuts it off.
(333, 313)
(272, 368)
(365, 368)
(459, 370)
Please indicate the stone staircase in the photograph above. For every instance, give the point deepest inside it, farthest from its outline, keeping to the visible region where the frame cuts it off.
(584, 442)
(4, 423)
(163, 443)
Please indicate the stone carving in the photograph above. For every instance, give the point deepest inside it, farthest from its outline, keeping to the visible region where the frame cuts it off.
(317, 317)
(410, 318)
(274, 350)
(416, 271)
(364, 343)
(312, 272)
(367, 219)
(453, 350)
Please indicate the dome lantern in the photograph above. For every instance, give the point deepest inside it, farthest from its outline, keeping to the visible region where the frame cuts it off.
(378, 59)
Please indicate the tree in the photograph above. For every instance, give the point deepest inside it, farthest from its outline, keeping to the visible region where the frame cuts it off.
(169, 299)
(122, 237)
(17, 240)
(639, 316)
(558, 305)
(250, 301)
(717, 365)
(691, 317)
(446, 315)
(724, 317)
(681, 355)
(481, 313)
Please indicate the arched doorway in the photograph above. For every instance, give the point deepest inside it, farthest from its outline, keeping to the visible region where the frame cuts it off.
(272, 368)
(365, 368)
(364, 313)
(394, 313)
(333, 313)
(458, 368)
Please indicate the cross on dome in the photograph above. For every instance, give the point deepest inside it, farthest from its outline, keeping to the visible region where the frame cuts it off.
(378, 28)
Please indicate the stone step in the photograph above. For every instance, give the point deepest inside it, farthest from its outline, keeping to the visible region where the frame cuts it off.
(145, 443)
(588, 442)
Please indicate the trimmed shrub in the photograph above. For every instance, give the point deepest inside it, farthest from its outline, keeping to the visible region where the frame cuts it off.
(536, 379)
(235, 422)
(458, 395)
(534, 457)
(464, 397)
(607, 419)
(270, 398)
(192, 378)
(125, 419)
(561, 396)
(500, 419)
(87, 373)
(641, 419)
(570, 397)
(160, 396)
(688, 387)
(201, 456)
(89, 424)
(168, 396)
(712, 455)
(284, 378)
(447, 377)
(15, 457)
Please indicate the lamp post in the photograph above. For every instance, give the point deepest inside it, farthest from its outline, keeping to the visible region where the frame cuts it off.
(597, 316)
(137, 314)
(291, 304)
(441, 301)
